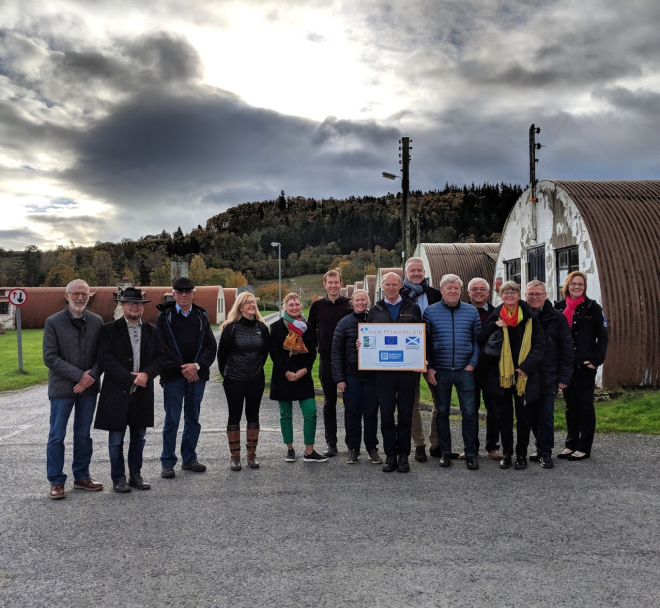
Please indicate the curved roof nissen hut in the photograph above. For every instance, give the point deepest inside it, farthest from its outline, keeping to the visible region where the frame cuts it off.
(610, 230)
(43, 302)
(467, 260)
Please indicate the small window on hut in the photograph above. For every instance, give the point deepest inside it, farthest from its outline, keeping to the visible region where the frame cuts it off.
(513, 270)
(567, 262)
(4, 308)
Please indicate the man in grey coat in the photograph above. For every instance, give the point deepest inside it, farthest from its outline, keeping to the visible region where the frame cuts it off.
(70, 345)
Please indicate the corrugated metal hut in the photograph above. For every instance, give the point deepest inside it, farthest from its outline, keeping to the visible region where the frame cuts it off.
(350, 289)
(359, 284)
(467, 260)
(45, 301)
(370, 286)
(610, 230)
(229, 294)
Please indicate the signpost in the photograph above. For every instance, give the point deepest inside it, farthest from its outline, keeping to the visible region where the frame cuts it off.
(18, 297)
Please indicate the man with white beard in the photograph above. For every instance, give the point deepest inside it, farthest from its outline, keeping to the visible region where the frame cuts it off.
(70, 346)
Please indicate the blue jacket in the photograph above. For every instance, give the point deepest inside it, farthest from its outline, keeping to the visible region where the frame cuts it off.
(451, 335)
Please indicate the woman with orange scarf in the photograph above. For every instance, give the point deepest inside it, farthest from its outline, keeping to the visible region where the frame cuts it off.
(513, 377)
(293, 351)
(589, 330)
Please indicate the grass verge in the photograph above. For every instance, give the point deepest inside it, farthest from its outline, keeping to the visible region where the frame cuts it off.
(34, 370)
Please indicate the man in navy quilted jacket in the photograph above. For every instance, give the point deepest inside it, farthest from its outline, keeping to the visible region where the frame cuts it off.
(452, 327)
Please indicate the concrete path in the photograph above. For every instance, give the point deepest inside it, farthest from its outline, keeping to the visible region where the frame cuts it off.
(332, 534)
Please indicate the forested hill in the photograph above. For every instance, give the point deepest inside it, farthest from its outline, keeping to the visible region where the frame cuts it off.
(363, 231)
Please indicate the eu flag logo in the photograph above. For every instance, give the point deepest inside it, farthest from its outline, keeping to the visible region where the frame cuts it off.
(390, 340)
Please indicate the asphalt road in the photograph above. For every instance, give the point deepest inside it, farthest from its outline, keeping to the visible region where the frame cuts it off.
(332, 534)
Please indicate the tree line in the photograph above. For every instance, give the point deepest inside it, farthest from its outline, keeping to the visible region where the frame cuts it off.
(358, 234)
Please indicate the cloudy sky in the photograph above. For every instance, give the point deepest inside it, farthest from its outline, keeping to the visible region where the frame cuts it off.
(123, 118)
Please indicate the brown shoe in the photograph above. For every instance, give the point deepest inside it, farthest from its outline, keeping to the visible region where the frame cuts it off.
(57, 491)
(495, 455)
(87, 484)
(461, 456)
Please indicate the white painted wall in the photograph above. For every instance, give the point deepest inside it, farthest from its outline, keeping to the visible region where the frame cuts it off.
(559, 224)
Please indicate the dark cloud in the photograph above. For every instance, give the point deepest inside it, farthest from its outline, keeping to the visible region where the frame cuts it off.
(22, 235)
(642, 102)
(366, 132)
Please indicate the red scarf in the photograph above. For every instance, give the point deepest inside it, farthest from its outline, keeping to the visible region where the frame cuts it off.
(571, 305)
(511, 320)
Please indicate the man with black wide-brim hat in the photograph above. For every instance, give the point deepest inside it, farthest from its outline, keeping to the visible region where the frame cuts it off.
(190, 348)
(131, 356)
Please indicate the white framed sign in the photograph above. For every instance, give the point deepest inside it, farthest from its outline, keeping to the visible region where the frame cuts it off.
(392, 346)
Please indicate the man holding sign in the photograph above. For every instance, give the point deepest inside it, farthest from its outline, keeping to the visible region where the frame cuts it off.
(396, 389)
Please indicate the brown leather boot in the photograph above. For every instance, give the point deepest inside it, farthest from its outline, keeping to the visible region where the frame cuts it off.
(234, 437)
(252, 439)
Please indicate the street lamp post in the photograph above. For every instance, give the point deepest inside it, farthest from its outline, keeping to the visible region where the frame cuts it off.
(279, 268)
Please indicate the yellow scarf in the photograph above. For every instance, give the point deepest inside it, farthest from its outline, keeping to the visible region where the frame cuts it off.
(507, 371)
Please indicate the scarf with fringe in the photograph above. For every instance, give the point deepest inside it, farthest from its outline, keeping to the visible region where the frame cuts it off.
(294, 341)
(507, 370)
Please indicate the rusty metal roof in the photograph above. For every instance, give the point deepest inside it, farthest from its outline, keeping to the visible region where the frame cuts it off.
(43, 302)
(467, 260)
(623, 222)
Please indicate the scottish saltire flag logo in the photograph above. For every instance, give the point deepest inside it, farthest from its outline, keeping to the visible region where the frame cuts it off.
(412, 340)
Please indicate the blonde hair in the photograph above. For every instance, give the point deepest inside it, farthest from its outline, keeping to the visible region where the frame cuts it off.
(512, 285)
(569, 278)
(235, 312)
(290, 296)
(360, 292)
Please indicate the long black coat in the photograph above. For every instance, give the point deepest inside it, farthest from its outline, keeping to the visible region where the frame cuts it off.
(530, 365)
(117, 408)
(282, 389)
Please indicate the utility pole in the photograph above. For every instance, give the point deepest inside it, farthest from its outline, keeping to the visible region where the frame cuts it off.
(533, 147)
(405, 188)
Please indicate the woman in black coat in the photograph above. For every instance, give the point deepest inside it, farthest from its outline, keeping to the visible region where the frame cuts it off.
(293, 352)
(589, 331)
(515, 380)
(242, 353)
(357, 385)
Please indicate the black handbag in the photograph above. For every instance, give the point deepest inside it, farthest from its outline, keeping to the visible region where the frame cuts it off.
(493, 348)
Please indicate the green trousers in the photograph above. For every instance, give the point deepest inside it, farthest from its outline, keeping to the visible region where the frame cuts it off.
(308, 407)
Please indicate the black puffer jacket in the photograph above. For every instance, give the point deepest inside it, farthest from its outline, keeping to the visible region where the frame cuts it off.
(589, 332)
(243, 350)
(530, 365)
(557, 363)
(344, 351)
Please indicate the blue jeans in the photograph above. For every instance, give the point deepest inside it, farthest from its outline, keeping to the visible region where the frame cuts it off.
(543, 424)
(463, 380)
(360, 402)
(135, 449)
(181, 394)
(60, 411)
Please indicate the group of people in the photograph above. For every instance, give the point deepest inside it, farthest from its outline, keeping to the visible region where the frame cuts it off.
(516, 357)
(129, 353)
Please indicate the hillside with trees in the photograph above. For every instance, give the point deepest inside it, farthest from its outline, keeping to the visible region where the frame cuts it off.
(357, 234)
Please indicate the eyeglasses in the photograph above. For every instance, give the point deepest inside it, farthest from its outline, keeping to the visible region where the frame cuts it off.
(576, 284)
(478, 289)
(510, 292)
(533, 294)
(182, 292)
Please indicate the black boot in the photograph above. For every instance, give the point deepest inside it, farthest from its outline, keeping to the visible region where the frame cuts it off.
(390, 464)
(403, 466)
